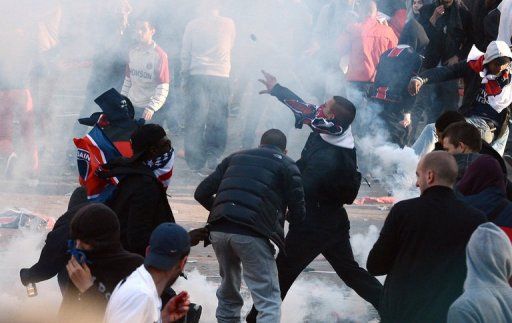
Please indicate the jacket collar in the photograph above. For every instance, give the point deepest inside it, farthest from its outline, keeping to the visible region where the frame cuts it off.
(272, 147)
(438, 190)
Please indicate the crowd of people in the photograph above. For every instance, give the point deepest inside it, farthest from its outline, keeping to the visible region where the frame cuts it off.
(436, 75)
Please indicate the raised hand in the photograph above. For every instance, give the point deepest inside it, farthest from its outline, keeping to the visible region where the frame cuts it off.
(270, 81)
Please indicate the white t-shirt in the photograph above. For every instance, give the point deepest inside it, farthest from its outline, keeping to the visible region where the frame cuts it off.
(135, 300)
(207, 45)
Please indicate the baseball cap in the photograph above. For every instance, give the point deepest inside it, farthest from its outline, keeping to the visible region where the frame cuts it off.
(497, 49)
(167, 245)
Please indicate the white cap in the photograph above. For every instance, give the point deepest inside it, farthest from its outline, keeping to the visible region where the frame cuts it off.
(497, 49)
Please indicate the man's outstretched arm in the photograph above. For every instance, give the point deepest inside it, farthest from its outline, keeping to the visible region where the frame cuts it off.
(300, 109)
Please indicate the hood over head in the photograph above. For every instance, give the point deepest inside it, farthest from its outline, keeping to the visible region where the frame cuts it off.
(488, 258)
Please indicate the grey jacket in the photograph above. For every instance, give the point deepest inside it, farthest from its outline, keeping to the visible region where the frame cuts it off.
(487, 294)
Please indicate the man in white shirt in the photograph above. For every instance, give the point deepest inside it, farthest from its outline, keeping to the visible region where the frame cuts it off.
(146, 82)
(205, 67)
(137, 298)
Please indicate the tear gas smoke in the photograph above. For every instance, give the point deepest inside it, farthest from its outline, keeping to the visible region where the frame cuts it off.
(15, 306)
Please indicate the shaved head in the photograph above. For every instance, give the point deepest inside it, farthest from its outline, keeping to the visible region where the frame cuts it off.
(436, 168)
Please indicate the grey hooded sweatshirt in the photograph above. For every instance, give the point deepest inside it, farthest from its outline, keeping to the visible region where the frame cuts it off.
(487, 294)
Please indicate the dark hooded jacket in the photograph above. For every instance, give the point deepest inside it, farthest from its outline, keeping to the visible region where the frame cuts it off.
(421, 249)
(252, 189)
(54, 256)
(483, 187)
(140, 202)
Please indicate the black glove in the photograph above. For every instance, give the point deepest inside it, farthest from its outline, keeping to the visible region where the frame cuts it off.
(25, 276)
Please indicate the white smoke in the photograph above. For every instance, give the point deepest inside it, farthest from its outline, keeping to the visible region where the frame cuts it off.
(15, 306)
(309, 300)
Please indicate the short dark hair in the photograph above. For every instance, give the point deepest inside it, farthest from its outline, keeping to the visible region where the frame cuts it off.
(344, 111)
(464, 132)
(502, 60)
(447, 118)
(274, 137)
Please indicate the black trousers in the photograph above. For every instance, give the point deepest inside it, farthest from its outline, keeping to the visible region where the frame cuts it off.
(327, 235)
(207, 119)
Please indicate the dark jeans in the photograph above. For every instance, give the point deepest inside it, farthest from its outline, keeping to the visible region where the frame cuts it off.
(392, 114)
(326, 234)
(207, 120)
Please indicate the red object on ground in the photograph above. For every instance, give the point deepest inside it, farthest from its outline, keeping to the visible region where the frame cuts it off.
(374, 200)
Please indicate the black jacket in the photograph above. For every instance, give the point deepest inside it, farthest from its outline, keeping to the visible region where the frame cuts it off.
(108, 269)
(396, 67)
(452, 35)
(421, 249)
(140, 202)
(329, 173)
(253, 188)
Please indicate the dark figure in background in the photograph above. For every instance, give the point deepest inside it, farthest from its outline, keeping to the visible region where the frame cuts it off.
(110, 55)
(205, 68)
(96, 234)
(421, 247)
(486, 20)
(53, 258)
(247, 197)
(396, 67)
(329, 173)
(450, 30)
(483, 187)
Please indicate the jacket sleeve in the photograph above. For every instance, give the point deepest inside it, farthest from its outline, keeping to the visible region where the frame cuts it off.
(141, 219)
(207, 189)
(445, 73)
(469, 35)
(384, 251)
(53, 256)
(294, 194)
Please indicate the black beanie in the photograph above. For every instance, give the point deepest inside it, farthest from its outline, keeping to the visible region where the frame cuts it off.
(146, 136)
(96, 224)
(79, 196)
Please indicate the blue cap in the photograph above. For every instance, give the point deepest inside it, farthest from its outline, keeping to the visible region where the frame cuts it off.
(168, 244)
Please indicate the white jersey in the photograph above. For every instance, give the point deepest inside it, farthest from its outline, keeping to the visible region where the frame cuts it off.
(135, 300)
(146, 82)
(207, 45)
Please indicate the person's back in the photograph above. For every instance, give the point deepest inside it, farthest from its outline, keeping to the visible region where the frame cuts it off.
(247, 196)
(254, 188)
(421, 249)
(487, 294)
(140, 199)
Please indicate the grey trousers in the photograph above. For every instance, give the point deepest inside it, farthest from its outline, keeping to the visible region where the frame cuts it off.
(256, 256)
